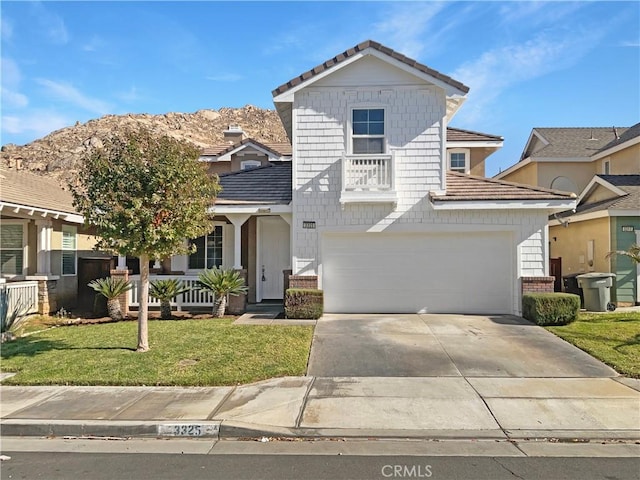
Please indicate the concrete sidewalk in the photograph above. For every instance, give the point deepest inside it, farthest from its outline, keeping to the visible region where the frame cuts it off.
(356, 407)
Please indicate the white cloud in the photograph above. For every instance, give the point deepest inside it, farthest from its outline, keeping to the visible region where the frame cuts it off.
(13, 99)
(37, 123)
(131, 95)
(94, 44)
(50, 23)
(225, 77)
(501, 68)
(6, 28)
(633, 44)
(68, 93)
(11, 75)
(11, 79)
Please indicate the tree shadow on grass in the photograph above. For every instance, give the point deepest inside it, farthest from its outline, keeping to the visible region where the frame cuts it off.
(630, 343)
(32, 346)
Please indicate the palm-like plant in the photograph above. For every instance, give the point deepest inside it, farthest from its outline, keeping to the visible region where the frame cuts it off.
(222, 283)
(111, 288)
(633, 253)
(166, 290)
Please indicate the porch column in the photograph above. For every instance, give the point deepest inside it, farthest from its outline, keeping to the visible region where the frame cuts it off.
(43, 259)
(122, 263)
(237, 219)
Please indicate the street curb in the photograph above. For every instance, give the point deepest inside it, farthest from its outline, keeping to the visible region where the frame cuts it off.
(107, 428)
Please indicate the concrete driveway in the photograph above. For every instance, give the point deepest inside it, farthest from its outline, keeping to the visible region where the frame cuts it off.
(431, 345)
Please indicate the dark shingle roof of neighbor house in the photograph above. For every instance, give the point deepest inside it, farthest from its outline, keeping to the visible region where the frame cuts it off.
(574, 142)
(281, 149)
(461, 187)
(630, 184)
(359, 48)
(624, 136)
(31, 190)
(270, 184)
(460, 135)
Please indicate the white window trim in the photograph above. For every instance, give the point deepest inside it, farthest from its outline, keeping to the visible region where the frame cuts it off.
(467, 159)
(224, 235)
(350, 136)
(250, 164)
(74, 230)
(25, 248)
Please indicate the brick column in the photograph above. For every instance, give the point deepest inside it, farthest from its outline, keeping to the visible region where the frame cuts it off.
(124, 298)
(238, 304)
(537, 284)
(303, 281)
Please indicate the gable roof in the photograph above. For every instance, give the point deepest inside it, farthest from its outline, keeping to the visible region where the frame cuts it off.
(460, 135)
(461, 187)
(340, 58)
(580, 142)
(269, 185)
(279, 149)
(27, 190)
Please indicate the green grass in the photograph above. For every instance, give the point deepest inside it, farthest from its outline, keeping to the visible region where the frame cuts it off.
(184, 352)
(613, 338)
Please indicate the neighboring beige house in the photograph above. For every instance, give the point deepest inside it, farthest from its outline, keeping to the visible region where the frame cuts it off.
(43, 241)
(603, 166)
(568, 158)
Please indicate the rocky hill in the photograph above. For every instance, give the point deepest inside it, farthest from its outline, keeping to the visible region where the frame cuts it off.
(59, 152)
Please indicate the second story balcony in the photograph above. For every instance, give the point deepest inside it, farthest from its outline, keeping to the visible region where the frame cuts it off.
(368, 178)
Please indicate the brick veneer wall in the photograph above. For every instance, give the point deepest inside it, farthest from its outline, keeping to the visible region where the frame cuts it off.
(124, 298)
(303, 281)
(537, 284)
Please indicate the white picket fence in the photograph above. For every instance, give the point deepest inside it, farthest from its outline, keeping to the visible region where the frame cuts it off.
(191, 299)
(23, 296)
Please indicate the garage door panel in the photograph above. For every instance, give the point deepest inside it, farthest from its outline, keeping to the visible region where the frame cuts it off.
(439, 273)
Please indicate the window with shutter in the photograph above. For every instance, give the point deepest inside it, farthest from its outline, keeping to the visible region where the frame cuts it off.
(69, 250)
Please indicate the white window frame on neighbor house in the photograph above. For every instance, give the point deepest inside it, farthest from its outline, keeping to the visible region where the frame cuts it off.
(69, 249)
(249, 164)
(25, 250)
(467, 160)
(355, 136)
(216, 225)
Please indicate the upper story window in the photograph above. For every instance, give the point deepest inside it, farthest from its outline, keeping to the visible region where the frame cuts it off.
(367, 130)
(459, 160)
(606, 167)
(69, 250)
(12, 248)
(208, 252)
(249, 164)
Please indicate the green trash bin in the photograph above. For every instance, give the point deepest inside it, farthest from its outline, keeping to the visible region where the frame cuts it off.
(596, 288)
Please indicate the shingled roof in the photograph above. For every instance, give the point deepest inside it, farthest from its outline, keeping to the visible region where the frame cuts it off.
(461, 187)
(624, 135)
(30, 190)
(281, 149)
(630, 184)
(294, 82)
(573, 142)
(460, 135)
(269, 185)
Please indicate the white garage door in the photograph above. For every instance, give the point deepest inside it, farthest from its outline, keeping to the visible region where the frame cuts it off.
(408, 273)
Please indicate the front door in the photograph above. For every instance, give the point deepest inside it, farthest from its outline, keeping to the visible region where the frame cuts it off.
(274, 256)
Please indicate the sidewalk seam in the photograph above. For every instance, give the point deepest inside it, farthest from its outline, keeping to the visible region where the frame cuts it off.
(304, 402)
(212, 415)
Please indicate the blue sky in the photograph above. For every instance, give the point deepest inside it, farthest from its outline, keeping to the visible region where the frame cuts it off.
(528, 64)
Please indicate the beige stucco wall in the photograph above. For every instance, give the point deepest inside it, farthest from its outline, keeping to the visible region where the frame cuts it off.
(570, 244)
(527, 175)
(624, 162)
(477, 160)
(580, 173)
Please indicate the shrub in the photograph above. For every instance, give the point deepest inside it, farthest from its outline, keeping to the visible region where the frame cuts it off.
(111, 288)
(303, 303)
(165, 290)
(221, 283)
(550, 308)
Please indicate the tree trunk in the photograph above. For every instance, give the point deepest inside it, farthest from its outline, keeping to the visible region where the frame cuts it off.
(143, 311)
(165, 309)
(219, 306)
(114, 310)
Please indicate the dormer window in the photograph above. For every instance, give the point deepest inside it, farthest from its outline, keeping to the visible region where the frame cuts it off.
(459, 160)
(249, 164)
(367, 131)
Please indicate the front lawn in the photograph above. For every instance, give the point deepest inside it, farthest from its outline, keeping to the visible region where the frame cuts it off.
(613, 338)
(183, 352)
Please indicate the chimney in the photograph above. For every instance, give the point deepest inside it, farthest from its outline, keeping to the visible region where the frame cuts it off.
(233, 134)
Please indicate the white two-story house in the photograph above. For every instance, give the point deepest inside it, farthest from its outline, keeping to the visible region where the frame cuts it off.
(375, 207)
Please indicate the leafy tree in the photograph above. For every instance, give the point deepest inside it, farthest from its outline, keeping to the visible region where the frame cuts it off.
(145, 194)
(111, 288)
(165, 290)
(221, 283)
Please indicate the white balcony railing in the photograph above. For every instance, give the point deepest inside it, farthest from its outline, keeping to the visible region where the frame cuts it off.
(368, 178)
(192, 298)
(22, 296)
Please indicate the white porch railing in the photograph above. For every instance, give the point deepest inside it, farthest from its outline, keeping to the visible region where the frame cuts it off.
(192, 298)
(23, 296)
(368, 178)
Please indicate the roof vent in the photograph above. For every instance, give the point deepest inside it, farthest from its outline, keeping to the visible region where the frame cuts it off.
(615, 132)
(591, 137)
